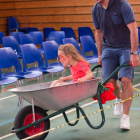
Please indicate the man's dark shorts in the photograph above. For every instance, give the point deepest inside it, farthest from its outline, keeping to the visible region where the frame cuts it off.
(114, 57)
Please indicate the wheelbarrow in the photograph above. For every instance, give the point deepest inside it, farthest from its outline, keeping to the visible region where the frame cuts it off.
(33, 119)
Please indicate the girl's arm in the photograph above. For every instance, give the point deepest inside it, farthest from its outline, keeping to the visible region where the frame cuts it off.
(66, 78)
(89, 75)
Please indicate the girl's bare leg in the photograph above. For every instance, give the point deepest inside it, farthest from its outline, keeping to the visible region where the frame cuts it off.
(58, 83)
(63, 83)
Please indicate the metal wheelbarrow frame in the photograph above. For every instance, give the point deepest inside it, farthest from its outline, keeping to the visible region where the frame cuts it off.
(20, 132)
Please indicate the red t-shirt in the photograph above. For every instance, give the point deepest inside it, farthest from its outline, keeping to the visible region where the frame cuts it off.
(79, 70)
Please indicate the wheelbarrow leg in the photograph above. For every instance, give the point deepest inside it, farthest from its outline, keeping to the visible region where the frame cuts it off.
(66, 119)
(0, 88)
(33, 110)
(102, 114)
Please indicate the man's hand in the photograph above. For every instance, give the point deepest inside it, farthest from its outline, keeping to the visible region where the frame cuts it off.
(99, 60)
(135, 60)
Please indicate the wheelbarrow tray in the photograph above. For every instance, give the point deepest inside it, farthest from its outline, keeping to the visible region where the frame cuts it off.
(58, 97)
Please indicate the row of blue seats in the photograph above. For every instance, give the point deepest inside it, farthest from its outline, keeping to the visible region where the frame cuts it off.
(30, 53)
(69, 32)
(36, 38)
(13, 25)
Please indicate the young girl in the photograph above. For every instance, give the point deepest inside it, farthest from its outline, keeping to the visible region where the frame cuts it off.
(80, 69)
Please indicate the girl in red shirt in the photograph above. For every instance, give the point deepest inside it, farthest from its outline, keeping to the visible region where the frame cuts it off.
(80, 69)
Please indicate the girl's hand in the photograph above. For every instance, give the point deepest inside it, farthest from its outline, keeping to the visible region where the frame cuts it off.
(62, 79)
(80, 80)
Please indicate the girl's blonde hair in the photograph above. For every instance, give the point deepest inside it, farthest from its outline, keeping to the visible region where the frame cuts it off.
(69, 49)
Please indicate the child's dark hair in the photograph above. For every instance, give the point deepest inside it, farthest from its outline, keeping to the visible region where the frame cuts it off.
(69, 49)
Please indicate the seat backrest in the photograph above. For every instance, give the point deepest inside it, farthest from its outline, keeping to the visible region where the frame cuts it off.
(9, 58)
(50, 50)
(69, 32)
(1, 74)
(31, 29)
(26, 39)
(12, 23)
(47, 31)
(72, 41)
(88, 45)
(83, 31)
(16, 36)
(10, 41)
(2, 34)
(57, 36)
(37, 37)
(31, 54)
(139, 34)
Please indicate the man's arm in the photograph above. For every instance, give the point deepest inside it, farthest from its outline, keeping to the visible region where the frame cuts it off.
(99, 39)
(134, 43)
(129, 18)
(98, 34)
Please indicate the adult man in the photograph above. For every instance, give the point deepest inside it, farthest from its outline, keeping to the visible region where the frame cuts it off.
(116, 37)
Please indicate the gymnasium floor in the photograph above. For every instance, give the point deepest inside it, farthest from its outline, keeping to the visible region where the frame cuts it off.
(110, 130)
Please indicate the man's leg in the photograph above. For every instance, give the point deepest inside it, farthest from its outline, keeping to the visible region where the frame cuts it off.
(118, 109)
(117, 90)
(110, 61)
(127, 91)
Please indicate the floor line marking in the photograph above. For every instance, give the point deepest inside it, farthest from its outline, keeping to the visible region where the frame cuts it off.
(8, 97)
(6, 122)
(136, 85)
(137, 72)
(136, 89)
(8, 135)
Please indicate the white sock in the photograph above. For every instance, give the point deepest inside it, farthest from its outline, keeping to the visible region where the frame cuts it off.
(124, 115)
(119, 100)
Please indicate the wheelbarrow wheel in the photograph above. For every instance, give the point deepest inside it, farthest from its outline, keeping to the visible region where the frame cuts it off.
(25, 117)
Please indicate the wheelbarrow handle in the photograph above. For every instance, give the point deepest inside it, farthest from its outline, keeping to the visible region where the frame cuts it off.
(98, 66)
(13, 130)
(115, 71)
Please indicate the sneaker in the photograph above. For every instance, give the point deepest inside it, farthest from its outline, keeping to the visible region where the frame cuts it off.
(125, 122)
(118, 109)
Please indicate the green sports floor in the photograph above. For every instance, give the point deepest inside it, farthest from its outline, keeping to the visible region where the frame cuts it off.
(110, 131)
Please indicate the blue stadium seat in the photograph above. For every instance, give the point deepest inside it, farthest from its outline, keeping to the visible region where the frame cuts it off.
(51, 52)
(57, 36)
(69, 32)
(38, 39)
(8, 59)
(16, 36)
(10, 41)
(47, 31)
(26, 39)
(83, 31)
(2, 34)
(88, 45)
(72, 41)
(13, 25)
